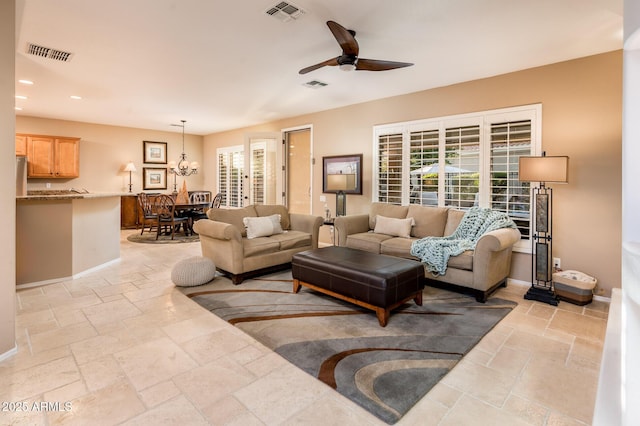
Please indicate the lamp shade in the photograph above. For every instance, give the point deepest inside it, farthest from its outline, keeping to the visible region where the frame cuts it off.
(130, 167)
(544, 169)
(341, 182)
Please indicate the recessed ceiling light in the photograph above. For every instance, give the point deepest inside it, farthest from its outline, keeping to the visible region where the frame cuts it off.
(75, 97)
(27, 82)
(21, 97)
(17, 108)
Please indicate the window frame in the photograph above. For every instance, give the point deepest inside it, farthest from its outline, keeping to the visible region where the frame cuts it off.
(484, 119)
(227, 192)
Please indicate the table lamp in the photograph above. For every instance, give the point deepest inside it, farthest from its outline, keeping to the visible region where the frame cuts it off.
(130, 167)
(339, 183)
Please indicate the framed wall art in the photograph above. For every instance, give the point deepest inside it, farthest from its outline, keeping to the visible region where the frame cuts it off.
(155, 152)
(154, 178)
(342, 173)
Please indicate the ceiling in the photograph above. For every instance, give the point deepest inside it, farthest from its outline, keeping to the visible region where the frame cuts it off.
(228, 64)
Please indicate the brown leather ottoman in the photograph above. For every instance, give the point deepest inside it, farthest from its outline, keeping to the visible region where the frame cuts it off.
(373, 281)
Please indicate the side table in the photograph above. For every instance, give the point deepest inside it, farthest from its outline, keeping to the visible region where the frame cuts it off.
(330, 222)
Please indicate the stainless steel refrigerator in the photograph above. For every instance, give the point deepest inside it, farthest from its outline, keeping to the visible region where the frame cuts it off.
(21, 175)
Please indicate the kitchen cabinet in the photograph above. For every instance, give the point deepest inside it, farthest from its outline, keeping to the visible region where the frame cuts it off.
(53, 157)
(129, 211)
(21, 145)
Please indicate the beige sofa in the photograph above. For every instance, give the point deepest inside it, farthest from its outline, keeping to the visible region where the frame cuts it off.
(224, 239)
(480, 271)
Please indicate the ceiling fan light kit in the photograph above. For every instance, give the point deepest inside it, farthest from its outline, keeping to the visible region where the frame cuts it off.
(349, 60)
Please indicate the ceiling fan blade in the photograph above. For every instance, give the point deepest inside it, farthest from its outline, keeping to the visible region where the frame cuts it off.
(328, 62)
(345, 38)
(377, 65)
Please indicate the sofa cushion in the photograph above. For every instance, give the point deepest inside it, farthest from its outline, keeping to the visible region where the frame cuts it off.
(399, 247)
(268, 210)
(259, 246)
(462, 261)
(386, 210)
(233, 216)
(394, 227)
(429, 221)
(264, 226)
(292, 239)
(367, 241)
(454, 217)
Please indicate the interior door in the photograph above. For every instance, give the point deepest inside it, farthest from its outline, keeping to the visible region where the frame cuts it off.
(260, 156)
(298, 170)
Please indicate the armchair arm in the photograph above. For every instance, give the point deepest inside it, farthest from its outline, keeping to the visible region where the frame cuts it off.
(353, 224)
(307, 223)
(492, 257)
(222, 243)
(218, 230)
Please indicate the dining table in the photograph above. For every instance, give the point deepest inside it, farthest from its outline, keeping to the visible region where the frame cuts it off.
(187, 209)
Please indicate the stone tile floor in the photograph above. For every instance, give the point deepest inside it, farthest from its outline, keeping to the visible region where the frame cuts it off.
(122, 346)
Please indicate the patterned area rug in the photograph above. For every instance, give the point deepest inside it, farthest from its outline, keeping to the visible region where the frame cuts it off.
(386, 370)
(150, 238)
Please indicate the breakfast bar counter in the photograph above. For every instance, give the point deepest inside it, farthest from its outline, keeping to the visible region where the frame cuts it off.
(63, 234)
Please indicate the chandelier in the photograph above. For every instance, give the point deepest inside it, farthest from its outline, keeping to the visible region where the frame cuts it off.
(182, 167)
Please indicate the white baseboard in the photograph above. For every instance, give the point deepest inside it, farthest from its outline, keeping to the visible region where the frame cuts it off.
(8, 354)
(96, 268)
(60, 279)
(41, 283)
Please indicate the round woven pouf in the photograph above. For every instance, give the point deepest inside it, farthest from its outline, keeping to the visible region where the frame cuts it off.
(193, 271)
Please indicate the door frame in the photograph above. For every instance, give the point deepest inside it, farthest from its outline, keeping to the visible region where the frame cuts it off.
(246, 180)
(285, 162)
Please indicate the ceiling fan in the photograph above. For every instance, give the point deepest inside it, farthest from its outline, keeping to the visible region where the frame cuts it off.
(349, 59)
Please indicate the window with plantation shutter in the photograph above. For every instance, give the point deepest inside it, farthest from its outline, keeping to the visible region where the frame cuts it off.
(462, 165)
(258, 173)
(390, 168)
(230, 171)
(423, 153)
(459, 162)
(509, 141)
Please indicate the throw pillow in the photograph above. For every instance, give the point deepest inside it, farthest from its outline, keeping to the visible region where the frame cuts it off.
(264, 226)
(393, 226)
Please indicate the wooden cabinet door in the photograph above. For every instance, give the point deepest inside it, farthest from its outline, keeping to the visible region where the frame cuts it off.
(129, 211)
(21, 145)
(40, 153)
(67, 158)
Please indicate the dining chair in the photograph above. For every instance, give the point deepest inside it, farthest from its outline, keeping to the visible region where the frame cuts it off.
(165, 207)
(149, 217)
(198, 197)
(215, 204)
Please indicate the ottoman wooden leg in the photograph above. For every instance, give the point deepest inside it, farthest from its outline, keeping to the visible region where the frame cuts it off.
(296, 285)
(418, 298)
(383, 316)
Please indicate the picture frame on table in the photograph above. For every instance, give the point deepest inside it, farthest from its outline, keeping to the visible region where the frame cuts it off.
(349, 165)
(154, 152)
(154, 178)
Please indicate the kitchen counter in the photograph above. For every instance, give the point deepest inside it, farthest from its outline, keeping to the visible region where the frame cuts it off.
(63, 234)
(46, 195)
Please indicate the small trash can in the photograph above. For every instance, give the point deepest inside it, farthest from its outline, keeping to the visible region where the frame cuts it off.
(574, 286)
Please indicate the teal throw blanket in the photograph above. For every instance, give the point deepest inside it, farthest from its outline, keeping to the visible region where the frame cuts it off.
(435, 252)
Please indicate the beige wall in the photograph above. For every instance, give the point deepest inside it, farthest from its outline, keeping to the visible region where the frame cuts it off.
(7, 180)
(104, 150)
(582, 118)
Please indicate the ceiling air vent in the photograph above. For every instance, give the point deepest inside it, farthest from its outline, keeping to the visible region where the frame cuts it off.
(314, 84)
(285, 11)
(47, 52)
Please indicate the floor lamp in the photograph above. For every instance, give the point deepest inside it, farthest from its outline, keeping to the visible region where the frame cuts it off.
(544, 170)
